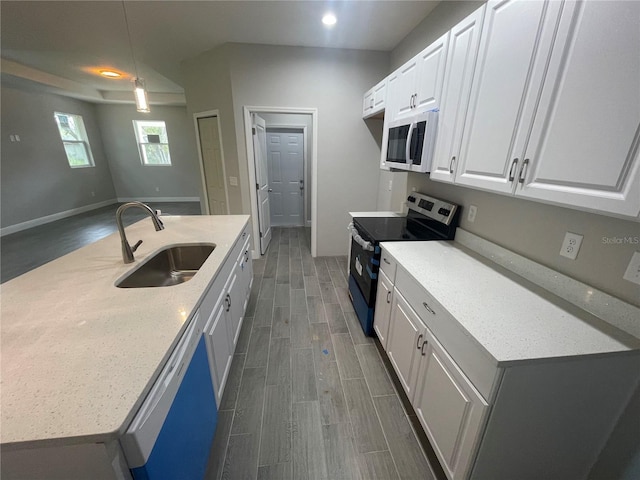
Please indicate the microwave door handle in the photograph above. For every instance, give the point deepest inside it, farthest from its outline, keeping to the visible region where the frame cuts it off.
(407, 153)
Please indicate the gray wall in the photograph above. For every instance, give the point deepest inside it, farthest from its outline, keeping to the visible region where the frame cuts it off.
(36, 178)
(281, 119)
(207, 85)
(131, 179)
(330, 80)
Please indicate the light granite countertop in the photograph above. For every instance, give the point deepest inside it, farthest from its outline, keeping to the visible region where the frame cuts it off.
(78, 353)
(511, 318)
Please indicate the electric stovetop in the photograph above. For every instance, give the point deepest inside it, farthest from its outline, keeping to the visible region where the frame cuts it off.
(428, 218)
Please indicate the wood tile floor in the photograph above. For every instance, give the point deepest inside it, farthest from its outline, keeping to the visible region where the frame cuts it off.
(308, 395)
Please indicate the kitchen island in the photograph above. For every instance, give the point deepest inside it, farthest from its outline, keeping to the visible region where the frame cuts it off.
(79, 354)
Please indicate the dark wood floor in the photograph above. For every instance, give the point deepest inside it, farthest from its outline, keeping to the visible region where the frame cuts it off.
(308, 396)
(23, 251)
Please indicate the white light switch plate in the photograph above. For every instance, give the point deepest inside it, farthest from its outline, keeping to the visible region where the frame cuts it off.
(632, 273)
(571, 245)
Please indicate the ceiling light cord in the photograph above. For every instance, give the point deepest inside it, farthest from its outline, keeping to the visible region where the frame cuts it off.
(126, 21)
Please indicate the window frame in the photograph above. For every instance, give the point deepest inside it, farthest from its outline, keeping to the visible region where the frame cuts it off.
(84, 138)
(142, 152)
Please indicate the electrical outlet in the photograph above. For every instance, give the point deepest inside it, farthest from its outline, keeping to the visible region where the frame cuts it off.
(233, 181)
(390, 185)
(93, 194)
(571, 245)
(473, 210)
(157, 189)
(633, 270)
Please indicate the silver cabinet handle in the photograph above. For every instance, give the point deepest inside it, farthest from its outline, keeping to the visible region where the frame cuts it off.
(425, 305)
(523, 171)
(389, 296)
(453, 161)
(511, 170)
(270, 190)
(422, 348)
(418, 344)
(386, 261)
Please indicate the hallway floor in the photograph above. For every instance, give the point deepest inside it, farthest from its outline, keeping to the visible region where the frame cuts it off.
(308, 395)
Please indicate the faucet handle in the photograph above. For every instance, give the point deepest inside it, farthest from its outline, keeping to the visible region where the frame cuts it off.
(135, 247)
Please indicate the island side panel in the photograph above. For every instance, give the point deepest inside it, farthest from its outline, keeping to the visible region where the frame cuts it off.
(552, 420)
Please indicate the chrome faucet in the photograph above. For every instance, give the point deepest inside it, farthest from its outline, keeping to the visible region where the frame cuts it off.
(127, 250)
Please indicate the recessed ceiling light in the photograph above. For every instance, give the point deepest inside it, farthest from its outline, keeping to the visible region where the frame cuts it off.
(329, 19)
(110, 74)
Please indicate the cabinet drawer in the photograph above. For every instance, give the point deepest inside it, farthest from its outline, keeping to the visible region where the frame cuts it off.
(477, 365)
(388, 265)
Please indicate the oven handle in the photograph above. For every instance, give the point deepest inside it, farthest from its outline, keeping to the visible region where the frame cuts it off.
(368, 246)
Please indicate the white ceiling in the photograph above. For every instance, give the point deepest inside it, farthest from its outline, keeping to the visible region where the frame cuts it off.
(55, 44)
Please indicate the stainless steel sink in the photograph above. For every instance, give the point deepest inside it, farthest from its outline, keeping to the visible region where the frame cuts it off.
(171, 266)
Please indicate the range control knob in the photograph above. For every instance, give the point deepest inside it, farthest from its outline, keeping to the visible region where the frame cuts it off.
(411, 199)
(444, 211)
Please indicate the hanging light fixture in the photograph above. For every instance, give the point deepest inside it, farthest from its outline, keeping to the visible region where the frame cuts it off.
(139, 89)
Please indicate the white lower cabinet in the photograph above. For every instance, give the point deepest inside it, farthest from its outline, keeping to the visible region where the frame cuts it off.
(383, 308)
(449, 408)
(406, 334)
(224, 305)
(526, 419)
(220, 349)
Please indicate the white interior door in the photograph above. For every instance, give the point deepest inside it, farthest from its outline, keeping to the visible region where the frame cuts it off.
(212, 164)
(262, 180)
(286, 178)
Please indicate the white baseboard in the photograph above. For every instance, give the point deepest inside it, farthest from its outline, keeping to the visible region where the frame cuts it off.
(158, 199)
(18, 227)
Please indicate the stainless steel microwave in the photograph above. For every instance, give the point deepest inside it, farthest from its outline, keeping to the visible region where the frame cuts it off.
(411, 141)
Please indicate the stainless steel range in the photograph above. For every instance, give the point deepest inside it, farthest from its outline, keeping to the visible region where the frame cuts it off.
(428, 218)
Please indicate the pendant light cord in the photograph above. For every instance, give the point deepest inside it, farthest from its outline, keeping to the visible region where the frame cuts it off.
(126, 21)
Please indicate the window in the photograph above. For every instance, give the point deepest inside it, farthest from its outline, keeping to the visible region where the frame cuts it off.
(75, 140)
(153, 142)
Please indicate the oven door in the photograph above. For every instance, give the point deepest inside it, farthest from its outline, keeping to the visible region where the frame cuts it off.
(364, 265)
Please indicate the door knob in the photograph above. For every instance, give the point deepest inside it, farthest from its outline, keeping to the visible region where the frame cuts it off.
(270, 190)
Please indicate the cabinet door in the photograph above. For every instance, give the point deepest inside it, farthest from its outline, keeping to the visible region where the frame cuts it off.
(461, 60)
(402, 91)
(430, 75)
(383, 308)
(450, 409)
(219, 347)
(584, 145)
(367, 103)
(405, 339)
(379, 97)
(514, 48)
(233, 306)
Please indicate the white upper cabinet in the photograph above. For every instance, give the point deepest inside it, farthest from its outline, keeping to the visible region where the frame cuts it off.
(583, 149)
(417, 85)
(514, 49)
(463, 51)
(375, 99)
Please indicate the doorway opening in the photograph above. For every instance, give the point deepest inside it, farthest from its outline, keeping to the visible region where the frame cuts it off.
(281, 154)
(212, 170)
